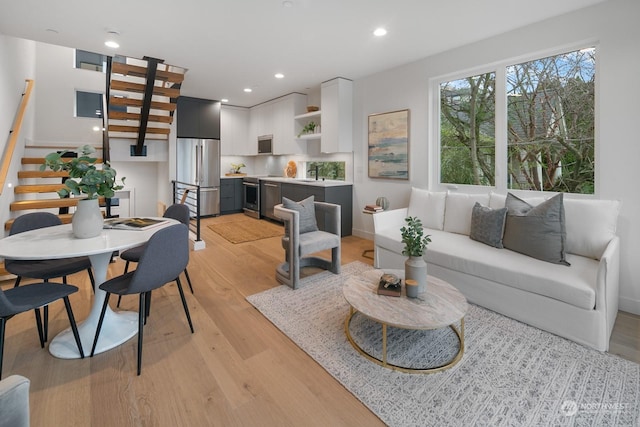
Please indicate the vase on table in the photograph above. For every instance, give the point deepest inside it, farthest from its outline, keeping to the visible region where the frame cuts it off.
(87, 220)
(415, 268)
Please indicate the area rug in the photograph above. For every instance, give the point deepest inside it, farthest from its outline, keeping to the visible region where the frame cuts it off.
(247, 230)
(511, 374)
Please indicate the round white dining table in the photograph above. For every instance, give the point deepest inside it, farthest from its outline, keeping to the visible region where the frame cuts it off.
(59, 242)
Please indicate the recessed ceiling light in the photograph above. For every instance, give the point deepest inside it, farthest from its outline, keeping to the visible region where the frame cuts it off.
(287, 3)
(379, 32)
(112, 40)
(279, 76)
(96, 128)
(224, 100)
(248, 89)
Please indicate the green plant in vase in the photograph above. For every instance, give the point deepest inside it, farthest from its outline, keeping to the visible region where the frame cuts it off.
(415, 244)
(308, 128)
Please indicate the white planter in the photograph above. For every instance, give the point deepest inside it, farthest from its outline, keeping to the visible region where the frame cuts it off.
(87, 220)
(416, 268)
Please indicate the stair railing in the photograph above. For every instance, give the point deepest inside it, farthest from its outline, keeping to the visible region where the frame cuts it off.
(189, 194)
(14, 132)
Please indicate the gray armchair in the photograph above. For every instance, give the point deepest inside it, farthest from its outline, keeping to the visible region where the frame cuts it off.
(299, 245)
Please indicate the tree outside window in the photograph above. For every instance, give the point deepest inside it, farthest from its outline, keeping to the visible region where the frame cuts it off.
(549, 127)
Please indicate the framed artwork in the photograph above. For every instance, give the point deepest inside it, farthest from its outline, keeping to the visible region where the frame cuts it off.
(389, 145)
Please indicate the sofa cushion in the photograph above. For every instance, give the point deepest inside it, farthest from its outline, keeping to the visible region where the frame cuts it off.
(457, 213)
(590, 225)
(428, 206)
(307, 211)
(537, 231)
(487, 225)
(575, 285)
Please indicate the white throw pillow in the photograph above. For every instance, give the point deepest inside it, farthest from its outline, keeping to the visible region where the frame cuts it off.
(590, 225)
(458, 208)
(428, 206)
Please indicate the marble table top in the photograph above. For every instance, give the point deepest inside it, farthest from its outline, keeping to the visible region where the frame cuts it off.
(439, 306)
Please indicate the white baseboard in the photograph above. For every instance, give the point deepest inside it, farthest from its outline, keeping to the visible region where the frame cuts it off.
(629, 305)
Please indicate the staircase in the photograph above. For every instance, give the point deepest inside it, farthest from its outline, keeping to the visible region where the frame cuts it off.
(142, 96)
(37, 190)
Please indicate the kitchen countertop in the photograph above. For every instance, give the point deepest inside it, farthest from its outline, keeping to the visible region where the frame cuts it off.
(307, 181)
(301, 181)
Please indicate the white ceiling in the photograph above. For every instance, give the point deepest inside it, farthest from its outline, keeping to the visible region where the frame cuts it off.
(228, 45)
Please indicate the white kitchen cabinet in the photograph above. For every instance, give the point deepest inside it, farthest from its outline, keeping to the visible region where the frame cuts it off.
(285, 137)
(337, 116)
(234, 132)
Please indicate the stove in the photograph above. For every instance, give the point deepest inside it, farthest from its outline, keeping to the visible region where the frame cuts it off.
(251, 196)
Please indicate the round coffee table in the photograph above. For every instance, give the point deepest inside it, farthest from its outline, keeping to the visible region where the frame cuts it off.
(440, 306)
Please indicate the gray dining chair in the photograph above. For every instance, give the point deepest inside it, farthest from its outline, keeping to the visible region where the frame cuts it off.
(165, 255)
(44, 270)
(30, 297)
(177, 211)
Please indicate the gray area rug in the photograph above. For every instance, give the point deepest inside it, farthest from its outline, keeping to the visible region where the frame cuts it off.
(511, 374)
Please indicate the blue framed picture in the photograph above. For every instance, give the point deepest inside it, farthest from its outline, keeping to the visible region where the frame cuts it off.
(389, 145)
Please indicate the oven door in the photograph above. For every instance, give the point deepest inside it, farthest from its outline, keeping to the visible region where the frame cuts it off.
(251, 198)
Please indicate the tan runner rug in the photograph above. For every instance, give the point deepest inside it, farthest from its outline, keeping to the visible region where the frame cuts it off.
(247, 230)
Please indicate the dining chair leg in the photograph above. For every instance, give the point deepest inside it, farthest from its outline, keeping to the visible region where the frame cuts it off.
(147, 308)
(45, 322)
(74, 327)
(141, 321)
(92, 280)
(186, 274)
(36, 311)
(102, 312)
(2, 323)
(184, 303)
(126, 270)
(18, 279)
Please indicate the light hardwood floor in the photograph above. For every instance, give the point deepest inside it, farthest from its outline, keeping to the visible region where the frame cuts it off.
(236, 370)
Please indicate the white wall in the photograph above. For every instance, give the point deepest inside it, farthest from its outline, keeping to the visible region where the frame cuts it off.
(17, 63)
(613, 25)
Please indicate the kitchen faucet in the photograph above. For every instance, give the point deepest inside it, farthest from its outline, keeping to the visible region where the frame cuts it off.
(316, 171)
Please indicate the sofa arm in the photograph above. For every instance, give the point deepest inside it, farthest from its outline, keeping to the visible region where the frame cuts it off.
(389, 219)
(607, 288)
(332, 216)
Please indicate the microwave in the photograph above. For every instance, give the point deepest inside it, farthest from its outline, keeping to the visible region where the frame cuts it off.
(265, 144)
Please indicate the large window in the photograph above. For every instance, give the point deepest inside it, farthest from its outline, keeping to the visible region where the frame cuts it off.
(547, 136)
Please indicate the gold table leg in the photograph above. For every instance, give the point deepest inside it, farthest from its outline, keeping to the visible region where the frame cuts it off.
(383, 362)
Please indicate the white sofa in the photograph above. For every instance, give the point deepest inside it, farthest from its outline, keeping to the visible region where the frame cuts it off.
(578, 302)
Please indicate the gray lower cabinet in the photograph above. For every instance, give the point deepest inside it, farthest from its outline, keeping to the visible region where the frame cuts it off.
(340, 195)
(230, 195)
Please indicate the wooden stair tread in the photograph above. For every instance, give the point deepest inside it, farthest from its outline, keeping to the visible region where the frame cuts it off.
(37, 188)
(135, 129)
(140, 88)
(65, 218)
(138, 71)
(20, 205)
(40, 160)
(131, 102)
(43, 174)
(121, 115)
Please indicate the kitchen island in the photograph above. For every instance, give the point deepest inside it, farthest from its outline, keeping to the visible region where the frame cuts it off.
(273, 189)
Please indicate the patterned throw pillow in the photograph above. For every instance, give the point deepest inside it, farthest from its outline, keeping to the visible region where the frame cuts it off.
(307, 211)
(537, 231)
(487, 225)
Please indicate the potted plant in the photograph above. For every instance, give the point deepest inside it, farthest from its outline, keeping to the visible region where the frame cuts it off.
(415, 243)
(308, 128)
(235, 167)
(87, 179)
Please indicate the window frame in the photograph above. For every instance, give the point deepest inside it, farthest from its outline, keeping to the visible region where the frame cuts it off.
(501, 149)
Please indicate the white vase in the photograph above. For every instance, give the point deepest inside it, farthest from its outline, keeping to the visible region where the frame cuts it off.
(416, 268)
(87, 220)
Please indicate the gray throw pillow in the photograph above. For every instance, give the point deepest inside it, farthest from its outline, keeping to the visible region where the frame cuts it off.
(537, 231)
(487, 225)
(307, 211)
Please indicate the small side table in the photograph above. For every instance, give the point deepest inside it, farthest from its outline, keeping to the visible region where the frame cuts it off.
(368, 251)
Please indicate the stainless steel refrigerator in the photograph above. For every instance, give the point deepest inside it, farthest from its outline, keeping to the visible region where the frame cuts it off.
(198, 163)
